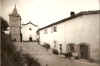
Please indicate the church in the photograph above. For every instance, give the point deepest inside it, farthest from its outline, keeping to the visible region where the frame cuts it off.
(21, 32)
(29, 31)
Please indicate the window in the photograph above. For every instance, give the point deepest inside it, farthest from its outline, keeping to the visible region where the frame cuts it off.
(30, 29)
(45, 31)
(54, 29)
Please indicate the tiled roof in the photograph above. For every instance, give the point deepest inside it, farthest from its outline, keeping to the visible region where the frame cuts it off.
(72, 17)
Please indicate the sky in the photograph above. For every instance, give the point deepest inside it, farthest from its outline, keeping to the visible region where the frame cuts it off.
(44, 12)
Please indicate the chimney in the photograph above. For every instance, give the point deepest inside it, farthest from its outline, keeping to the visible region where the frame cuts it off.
(72, 13)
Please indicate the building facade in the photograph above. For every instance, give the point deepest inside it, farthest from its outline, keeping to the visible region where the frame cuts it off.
(15, 25)
(29, 31)
(79, 33)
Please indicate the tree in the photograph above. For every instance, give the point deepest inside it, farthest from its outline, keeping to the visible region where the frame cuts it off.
(4, 24)
(9, 55)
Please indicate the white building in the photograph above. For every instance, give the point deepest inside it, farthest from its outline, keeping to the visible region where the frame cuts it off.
(29, 31)
(78, 33)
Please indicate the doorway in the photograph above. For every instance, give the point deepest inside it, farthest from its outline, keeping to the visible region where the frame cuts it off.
(84, 51)
(30, 39)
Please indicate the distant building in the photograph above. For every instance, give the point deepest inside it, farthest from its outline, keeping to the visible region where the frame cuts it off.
(15, 25)
(29, 31)
(78, 33)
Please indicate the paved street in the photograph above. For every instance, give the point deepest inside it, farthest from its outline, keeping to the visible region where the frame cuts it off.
(46, 58)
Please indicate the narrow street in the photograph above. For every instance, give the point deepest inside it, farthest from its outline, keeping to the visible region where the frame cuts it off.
(46, 58)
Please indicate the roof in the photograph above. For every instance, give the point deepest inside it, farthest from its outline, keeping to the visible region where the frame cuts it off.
(71, 17)
(30, 23)
(14, 13)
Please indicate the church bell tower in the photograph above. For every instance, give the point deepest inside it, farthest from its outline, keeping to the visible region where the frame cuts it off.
(15, 25)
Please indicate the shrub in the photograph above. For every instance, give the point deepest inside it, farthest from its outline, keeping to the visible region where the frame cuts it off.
(46, 45)
(67, 55)
(76, 57)
(91, 60)
(55, 51)
(30, 61)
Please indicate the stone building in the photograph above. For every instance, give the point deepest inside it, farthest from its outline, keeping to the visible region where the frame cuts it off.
(15, 25)
(29, 31)
(78, 33)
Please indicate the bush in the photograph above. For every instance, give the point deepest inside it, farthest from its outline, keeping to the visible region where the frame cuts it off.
(67, 55)
(91, 60)
(47, 46)
(55, 51)
(76, 57)
(30, 61)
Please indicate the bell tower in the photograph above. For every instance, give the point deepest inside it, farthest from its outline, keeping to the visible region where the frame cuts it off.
(15, 25)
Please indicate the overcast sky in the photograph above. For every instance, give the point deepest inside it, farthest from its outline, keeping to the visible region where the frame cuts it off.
(44, 12)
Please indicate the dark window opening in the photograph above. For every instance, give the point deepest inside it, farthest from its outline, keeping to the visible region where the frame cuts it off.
(55, 29)
(60, 47)
(30, 28)
(21, 37)
(45, 31)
